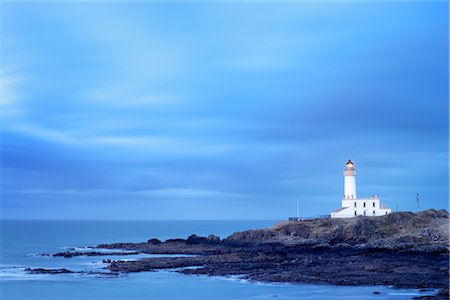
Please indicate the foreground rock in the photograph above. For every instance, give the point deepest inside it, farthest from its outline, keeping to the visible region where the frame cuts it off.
(48, 271)
(68, 254)
(66, 271)
(401, 249)
(310, 265)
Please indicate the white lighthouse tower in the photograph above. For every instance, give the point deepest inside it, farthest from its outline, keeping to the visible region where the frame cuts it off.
(349, 180)
(353, 206)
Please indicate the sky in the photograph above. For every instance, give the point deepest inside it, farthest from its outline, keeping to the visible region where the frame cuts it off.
(214, 110)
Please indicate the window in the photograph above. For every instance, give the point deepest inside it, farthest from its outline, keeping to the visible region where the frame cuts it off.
(364, 212)
(355, 204)
(355, 212)
(386, 212)
(364, 204)
(373, 204)
(373, 213)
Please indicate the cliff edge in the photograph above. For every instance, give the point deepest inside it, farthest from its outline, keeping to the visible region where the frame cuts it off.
(422, 231)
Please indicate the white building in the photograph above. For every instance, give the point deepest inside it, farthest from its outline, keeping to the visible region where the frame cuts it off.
(353, 206)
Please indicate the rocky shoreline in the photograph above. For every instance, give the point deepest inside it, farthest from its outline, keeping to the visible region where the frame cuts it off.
(403, 250)
(310, 265)
(70, 254)
(66, 271)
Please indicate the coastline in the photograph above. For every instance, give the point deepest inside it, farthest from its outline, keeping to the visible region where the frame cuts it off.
(402, 250)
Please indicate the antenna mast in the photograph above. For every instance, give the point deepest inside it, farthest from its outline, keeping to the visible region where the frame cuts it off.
(417, 200)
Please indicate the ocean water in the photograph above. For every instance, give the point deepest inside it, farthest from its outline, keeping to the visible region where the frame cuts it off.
(23, 241)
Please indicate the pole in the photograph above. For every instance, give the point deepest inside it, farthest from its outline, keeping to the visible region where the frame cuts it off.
(298, 215)
(417, 200)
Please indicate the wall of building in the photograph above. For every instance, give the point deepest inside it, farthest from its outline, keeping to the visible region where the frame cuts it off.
(361, 207)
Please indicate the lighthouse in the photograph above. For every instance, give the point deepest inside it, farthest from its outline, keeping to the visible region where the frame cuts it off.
(353, 206)
(349, 180)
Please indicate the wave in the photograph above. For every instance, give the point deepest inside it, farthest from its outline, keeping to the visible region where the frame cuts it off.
(19, 273)
(430, 292)
(13, 273)
(234, 278)
(90, 248)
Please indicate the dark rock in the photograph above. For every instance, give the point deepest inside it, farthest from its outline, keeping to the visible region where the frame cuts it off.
(154, 241)
(213, 238)
(68, 254)
(195, 239)
(66, 271)
(376, 293)
(432, 213)
(444, 292)
(47, 271)
(322, 246)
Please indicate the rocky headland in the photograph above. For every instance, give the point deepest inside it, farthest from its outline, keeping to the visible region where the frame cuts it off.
(402, 249)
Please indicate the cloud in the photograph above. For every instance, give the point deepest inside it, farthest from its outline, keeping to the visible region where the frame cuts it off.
(131, 97)
(227, 105)
(56, 136)
(10, 107)
(186, 193)
(130, 141)
(162, 144)
(260, 63)
(183, 193)
(61, 192)
(8, 88)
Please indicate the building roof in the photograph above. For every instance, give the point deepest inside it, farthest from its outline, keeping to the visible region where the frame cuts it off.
(340, 209)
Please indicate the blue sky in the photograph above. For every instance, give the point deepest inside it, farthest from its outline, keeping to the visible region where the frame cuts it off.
(197, 110)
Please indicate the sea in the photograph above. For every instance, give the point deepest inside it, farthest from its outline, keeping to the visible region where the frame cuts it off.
(24, 241)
